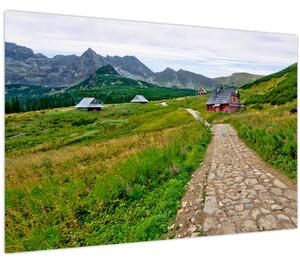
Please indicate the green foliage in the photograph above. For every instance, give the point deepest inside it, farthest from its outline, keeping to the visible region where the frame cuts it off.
(82, 178)
(257, 106)
(283, 91)
(54, 129)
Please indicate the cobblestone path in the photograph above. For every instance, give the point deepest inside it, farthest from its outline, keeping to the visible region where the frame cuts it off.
(234, 191)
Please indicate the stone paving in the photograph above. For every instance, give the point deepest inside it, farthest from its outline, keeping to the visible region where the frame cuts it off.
(234, 191)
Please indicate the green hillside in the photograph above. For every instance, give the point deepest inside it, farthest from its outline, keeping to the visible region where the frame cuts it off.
(76, 178)
(237, 79)
(278, 88)
(105, 84)
(108, 86)
(80, 178)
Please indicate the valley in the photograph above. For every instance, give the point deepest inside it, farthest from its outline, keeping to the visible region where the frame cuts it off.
(76, 178)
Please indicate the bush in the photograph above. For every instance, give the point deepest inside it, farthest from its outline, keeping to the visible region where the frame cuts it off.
(84, 121)
(257, 106)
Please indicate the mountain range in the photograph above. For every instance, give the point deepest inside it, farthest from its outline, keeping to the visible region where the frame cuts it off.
(23, 66)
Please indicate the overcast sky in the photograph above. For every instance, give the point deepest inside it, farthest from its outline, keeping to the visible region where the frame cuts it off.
(208, 51)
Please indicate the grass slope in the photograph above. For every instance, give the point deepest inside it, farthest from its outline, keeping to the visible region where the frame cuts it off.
(237, 79)
(278, 88)
(78, 178)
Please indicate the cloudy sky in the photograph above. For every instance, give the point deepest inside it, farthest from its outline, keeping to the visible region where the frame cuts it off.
(208, 51)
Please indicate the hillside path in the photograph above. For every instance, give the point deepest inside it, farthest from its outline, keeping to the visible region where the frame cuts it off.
(197, 116)
(234, 191)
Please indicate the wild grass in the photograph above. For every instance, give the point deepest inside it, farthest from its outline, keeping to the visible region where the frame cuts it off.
(46, 130)
(197, 103)
(272, 133)
(122, 181)
(276, 89)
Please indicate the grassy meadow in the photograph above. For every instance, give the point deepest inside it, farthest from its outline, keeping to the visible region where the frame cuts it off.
(87, 178)
(81, 178)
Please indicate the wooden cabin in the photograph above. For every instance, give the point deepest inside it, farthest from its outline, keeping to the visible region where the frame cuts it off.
(139, 99)
(201, 91)
(224, 99)
(89, 104)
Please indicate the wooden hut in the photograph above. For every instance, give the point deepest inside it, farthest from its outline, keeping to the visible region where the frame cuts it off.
(201, 91)
(139, 99)
(89, 104)
(224, 100)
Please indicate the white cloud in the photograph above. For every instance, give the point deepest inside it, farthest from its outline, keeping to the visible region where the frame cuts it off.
(208, 51)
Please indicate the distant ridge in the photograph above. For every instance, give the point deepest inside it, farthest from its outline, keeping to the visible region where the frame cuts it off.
(237, 79)
(23, 66)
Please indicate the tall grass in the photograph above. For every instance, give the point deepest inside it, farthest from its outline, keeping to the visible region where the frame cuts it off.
(119, 188)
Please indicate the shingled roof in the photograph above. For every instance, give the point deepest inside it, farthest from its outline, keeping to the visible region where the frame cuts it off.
(221, 96)
(89, 103)
(139, 99)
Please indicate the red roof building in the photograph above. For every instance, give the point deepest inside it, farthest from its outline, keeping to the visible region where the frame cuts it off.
(224, 100)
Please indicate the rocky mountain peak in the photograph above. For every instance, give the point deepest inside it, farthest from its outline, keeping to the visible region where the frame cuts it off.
(89, 53)
(17, 52)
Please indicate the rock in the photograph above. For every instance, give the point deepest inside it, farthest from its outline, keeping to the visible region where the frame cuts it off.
(231, 212)
(210, 205)
(249, 226)
(227, 228)
(276, 191)
(171, 227)
(226, 201)
(239, 207)
(252, 192)
(279, 184)
(209, 223)
(233, 195)
(249, 206)
(255, 213)
(294, 220)
(238, 179)
(291, 194)
(251, 181)
(267, 223)
(270, 175)
(264, 211)
(290, 212)
(260, 188)
(243, 214)
(283, 218)
(246, 200)
(192, 228)
(276, 207)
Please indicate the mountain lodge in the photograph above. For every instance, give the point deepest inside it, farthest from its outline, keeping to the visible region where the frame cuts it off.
(89, 104)
(201, 91)
(224, 100)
